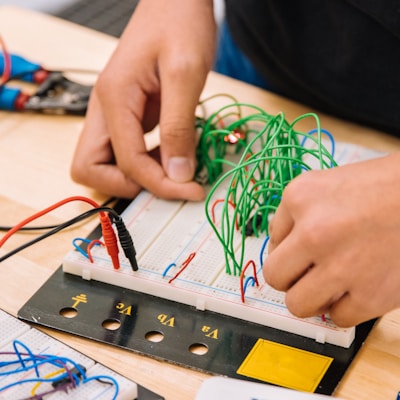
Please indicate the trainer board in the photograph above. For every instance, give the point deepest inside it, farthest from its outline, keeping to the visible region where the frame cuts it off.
(169, 235)
(196, 307)
(165, 234)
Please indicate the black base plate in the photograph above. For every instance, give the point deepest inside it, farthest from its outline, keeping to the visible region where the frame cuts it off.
(129, 319)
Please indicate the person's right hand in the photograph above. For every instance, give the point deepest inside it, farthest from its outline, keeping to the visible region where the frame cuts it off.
(335, 242)
(156, 74)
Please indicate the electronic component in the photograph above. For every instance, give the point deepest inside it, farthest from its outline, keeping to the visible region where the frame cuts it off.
(75, 375)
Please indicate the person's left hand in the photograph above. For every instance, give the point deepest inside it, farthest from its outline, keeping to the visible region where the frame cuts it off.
(155, 76)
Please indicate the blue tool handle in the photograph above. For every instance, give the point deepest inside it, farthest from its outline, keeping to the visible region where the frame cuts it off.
(21, 68)
(8, 97)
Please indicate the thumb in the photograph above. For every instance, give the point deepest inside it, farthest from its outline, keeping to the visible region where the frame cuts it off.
(178, 148)
(178, 139)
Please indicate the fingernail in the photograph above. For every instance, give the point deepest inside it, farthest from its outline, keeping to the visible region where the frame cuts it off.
(180, 169)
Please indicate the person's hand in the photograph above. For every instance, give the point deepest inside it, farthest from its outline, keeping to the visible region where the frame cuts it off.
(156, 74)
(335, 242)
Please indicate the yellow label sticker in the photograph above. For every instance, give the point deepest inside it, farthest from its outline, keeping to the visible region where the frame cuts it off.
(285, 366)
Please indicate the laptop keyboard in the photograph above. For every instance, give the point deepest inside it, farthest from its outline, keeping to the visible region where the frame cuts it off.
(107, 16)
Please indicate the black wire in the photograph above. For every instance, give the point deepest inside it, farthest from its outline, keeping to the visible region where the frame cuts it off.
(46, 227)
(60, 227)
(29, 228)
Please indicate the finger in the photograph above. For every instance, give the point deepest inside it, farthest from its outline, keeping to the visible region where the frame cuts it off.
(108, 179)
(347, 311)
(180, 95)
(132, 158)
(280, 226)
(289, 261)
(314, 293)
(92, 164)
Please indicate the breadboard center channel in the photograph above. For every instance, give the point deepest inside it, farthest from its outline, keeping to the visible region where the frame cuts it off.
(181, 259)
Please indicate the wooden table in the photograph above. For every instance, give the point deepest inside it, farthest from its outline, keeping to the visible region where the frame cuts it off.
(35, 154)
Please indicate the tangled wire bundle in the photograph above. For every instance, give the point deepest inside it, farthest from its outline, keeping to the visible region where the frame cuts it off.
(248, 161)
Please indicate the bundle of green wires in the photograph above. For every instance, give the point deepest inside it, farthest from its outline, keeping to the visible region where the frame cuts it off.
(250, 160)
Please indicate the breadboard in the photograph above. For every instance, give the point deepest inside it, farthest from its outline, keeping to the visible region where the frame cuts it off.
(166, 233)
(42, 344)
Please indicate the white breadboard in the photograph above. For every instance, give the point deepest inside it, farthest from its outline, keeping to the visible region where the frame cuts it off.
(39, 343)
(165, 233)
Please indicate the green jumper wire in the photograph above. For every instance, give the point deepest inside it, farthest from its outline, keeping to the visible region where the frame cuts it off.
(251, 159)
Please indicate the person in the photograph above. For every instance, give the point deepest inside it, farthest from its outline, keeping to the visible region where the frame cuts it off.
(334, 240)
